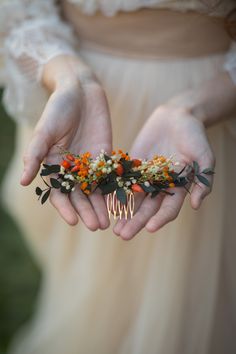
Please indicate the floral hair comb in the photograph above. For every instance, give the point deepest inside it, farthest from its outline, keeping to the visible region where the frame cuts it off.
(119, 177)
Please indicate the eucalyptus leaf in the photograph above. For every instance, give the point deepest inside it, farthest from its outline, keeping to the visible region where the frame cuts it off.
(135, 174)
(208, 171)
(196, 167)
(65, 191)
(148, 189)
(203, 180)
(127, 164)
(38, 191)
(121, 195)
(50, 169)
(108, 188)
(155, 193)
(181, 182)
(55, 183)
(45, 196)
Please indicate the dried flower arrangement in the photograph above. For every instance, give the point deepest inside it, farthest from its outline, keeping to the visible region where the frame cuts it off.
(119, 176)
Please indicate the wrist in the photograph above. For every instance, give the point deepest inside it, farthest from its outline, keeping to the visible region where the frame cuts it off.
(190, 104)
(65, 71)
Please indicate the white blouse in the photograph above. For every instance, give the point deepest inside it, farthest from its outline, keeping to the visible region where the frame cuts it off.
(32, 32)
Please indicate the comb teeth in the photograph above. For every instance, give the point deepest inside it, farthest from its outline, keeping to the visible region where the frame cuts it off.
(117, 209)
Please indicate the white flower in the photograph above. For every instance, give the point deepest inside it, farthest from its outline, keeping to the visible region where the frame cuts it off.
(109, 170)
(115, 165)
(68, 187)
(73, 189)
(71, 178)
(67, 176)
(64, 184)
(120, 184)
(128, 183)
(147, 184)
(62, 170)
(109, 162)
(134, 180)
(104, 170)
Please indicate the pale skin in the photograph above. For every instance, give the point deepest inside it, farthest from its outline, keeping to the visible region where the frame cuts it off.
(77, 118)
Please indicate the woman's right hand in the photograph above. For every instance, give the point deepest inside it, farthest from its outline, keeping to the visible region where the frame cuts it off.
(76, 118)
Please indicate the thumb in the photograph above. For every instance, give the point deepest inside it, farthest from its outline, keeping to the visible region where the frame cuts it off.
(34, 155)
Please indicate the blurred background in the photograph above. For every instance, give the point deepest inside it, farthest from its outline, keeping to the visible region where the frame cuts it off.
(19, 274)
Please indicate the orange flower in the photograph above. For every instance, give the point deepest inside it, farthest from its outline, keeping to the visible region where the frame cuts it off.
(65, 164)
(119, 170)
(86, 191)
(136, 188)
(171, 185)
(75, 169)
(77, 161)
(136, 162)
(70, 157)
(101, 163)
(84, 185)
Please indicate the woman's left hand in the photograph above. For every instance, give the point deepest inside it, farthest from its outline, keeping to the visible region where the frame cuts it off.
(169, 131)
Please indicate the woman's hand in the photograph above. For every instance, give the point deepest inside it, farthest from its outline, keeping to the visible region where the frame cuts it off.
(75, 118)
(169, 131)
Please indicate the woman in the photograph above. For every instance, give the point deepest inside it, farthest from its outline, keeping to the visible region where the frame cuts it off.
(167, 293)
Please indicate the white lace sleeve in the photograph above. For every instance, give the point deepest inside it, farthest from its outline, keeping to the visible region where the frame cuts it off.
(32, 33)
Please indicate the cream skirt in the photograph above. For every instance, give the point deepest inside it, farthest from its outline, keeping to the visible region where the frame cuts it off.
(166, 293)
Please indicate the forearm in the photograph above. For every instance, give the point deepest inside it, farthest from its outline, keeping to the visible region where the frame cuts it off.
(212, 102)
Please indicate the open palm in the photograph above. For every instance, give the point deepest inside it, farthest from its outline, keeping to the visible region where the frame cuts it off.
(168, 132)
(75, 118)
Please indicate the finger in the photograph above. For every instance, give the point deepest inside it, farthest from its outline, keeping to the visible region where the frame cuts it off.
(63, 205)
(138, 199)
(146, 210)
(200, 190)
(99, 206)
(34, 155)
(84, 208)
(169, 210)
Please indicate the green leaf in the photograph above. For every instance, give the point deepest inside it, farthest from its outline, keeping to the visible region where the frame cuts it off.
(208, 171)
(108, 188)
(45, 196)
(121, 195)
(203, 180)
(135, 174)
(65, 191)
(55, 183)
(148, 189)
(196, 167)
(155, 193)
(181, 182)
(38, 191)
(127, 164)
(50, 169)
